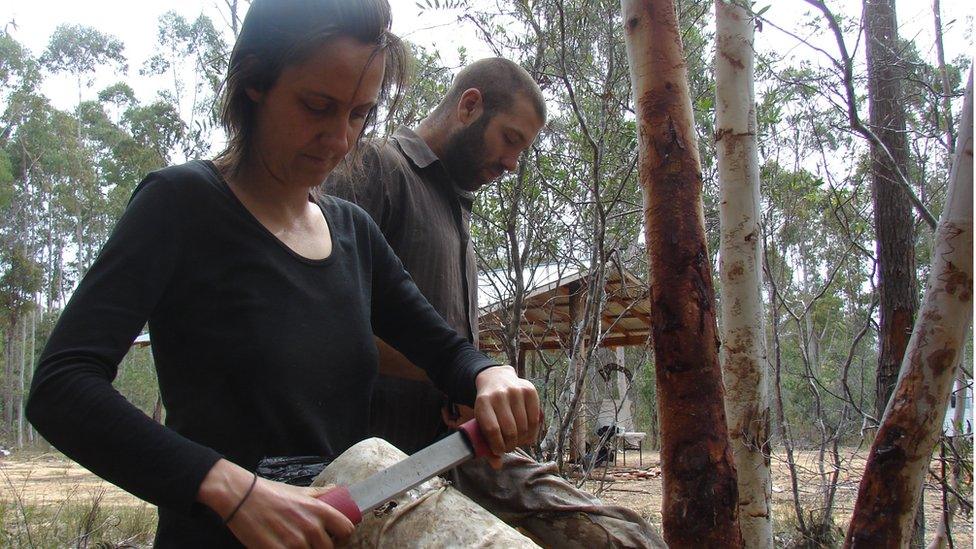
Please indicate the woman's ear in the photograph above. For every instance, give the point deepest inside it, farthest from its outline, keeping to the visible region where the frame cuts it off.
(253, 94)
(248, 67)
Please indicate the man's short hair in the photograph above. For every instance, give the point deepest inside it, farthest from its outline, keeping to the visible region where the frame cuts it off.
(500, 81)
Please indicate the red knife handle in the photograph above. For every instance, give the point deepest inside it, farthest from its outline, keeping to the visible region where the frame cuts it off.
(478, 442)
(340, 499)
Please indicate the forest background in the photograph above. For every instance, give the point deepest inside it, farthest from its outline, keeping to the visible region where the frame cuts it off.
(84, 115)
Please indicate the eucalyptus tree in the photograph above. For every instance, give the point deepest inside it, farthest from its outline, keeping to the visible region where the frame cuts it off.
(20, 272)
(64, 179)
(428, 81)
(593, 146)
(192, 56)
(952, 457)
(235, 14)
(700, 493)
(19, 76)
(19, 280)
(894, 230)
(893, 223)
(81, 51)
(893, 478)
(121, 154)
(744, 363)
(816, 220)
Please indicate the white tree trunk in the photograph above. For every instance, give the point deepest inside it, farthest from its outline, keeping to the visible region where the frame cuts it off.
(33, 345)
(912, 422)
(21, 393)
(744, 364)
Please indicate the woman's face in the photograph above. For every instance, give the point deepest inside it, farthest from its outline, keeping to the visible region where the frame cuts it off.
(313, 114)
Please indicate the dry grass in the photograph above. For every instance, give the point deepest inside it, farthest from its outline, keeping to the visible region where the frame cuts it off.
(48, 501)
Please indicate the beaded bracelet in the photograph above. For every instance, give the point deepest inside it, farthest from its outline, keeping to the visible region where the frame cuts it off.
(230, 517)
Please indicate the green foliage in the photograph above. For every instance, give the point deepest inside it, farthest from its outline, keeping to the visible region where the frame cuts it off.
(440, 4)
(137, 379)
(80, 50)
(193, 57)
(20, 279)
(65, 178)
(428, 81)
(6, 181)
(18, 72)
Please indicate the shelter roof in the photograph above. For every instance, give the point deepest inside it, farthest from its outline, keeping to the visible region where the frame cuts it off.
(546, 322)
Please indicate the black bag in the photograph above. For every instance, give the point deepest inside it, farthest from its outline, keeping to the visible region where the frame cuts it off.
(297, 470)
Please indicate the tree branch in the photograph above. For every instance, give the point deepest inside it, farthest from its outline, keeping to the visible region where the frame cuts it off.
(847, 66)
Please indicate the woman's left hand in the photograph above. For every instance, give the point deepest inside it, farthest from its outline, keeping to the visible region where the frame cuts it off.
(507, 409)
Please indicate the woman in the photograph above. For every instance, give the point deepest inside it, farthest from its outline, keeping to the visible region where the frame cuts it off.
(261, 301)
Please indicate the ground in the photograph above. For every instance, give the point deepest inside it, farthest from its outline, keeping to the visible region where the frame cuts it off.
(644, 495)
(63, 503)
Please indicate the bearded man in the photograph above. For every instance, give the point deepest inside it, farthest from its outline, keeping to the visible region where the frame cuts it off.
(419, 187)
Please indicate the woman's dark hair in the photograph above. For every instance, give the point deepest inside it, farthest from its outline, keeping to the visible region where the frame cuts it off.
(280, 33)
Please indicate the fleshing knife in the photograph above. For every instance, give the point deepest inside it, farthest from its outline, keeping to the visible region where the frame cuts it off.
(380, 487)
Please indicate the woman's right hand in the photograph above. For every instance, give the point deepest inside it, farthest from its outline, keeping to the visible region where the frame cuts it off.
(274, 514)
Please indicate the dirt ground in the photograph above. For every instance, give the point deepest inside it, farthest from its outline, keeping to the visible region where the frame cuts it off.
(645, 495)
(49, 479)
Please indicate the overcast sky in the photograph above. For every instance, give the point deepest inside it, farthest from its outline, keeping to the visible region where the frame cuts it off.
(135, 22)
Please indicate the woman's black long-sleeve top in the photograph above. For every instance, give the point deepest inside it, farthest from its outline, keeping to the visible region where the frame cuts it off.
(258, 350)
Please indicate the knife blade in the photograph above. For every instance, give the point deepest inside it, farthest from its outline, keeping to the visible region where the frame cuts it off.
(382, 486)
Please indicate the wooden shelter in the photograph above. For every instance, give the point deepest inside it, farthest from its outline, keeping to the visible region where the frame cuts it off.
(554, 302)
(550, 308)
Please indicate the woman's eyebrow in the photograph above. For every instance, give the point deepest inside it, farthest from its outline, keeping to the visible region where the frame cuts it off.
(323, 95)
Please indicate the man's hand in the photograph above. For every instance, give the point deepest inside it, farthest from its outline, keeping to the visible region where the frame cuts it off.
(507, 409)
(274, 514)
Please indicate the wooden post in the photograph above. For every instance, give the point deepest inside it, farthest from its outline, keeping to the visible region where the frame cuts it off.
(577, 435)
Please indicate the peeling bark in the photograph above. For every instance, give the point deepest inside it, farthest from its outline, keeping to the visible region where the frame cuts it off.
(700, 507)
(899, 458)
(744, 363)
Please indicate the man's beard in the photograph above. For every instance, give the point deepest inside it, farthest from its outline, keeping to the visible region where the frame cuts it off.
(464, 154)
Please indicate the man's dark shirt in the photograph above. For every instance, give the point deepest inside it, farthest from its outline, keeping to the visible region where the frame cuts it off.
(425, 218)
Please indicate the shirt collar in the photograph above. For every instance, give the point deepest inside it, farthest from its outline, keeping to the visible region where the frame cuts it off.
(415, 147)
(420, 154)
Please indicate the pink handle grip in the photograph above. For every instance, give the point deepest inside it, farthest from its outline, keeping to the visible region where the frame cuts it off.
(472, 431)
(340, 499)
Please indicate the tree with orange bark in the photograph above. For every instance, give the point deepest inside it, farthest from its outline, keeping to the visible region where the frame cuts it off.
(700, 507)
